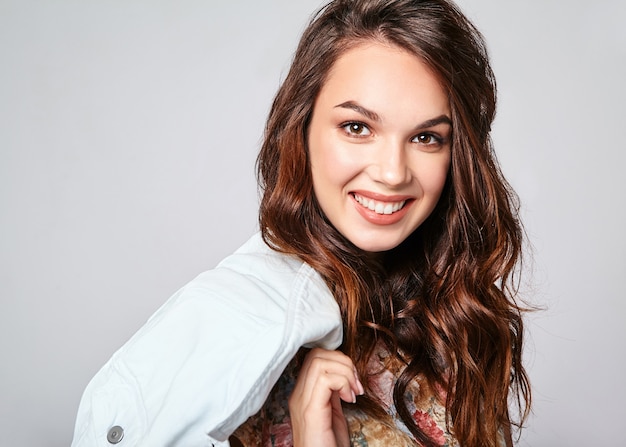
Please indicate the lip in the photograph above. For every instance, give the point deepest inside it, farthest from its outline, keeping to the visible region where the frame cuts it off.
(382, 197)
(382, 219)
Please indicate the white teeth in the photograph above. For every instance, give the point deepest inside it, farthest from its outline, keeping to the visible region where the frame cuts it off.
(379, 207)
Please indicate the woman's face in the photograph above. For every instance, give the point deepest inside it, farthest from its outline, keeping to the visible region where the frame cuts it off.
(379, 145)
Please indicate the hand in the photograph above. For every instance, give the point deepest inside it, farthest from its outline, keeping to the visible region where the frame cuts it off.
(317, 420)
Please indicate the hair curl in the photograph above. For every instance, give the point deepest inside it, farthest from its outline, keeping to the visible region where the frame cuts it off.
(444, 299)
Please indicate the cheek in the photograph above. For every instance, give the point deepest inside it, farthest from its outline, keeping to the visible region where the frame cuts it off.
(319, 158)
(322, 172)
(331, 164)
(432, 174)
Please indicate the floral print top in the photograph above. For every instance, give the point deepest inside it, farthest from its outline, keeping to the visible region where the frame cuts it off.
(271, 427)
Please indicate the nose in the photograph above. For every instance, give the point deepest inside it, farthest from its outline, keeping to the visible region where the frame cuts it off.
(392, 167)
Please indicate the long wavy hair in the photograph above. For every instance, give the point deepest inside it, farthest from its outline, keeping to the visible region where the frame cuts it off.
(444, 300)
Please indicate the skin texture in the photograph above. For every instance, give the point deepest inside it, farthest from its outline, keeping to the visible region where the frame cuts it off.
(326, 378)
(381, 130)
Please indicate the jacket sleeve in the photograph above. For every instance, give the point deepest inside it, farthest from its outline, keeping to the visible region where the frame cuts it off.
(203, 363)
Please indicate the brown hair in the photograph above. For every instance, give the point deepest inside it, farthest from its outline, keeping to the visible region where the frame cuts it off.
(445, 297)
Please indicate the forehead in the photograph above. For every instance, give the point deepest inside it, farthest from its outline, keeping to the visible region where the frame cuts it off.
(383, 76)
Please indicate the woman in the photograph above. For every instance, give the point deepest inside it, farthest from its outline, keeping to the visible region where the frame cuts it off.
(389, 234)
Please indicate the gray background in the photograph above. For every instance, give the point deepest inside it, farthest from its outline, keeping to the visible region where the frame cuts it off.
(128, 133)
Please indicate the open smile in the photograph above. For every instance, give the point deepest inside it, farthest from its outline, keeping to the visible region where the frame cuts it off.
(378, 206)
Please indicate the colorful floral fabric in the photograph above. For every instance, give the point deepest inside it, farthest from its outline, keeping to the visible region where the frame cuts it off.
(271, 427)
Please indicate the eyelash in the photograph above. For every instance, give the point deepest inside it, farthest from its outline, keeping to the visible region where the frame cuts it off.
(435, 139)
(349, 127)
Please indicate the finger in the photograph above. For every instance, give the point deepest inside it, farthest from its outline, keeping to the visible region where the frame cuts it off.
(320, 384)
(314, 357)
(326, 378)
(335, 384)
(319, 400)
(315, 375)
(339, 423)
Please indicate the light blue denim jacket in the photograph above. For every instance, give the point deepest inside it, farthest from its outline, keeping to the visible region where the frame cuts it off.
(208, 358)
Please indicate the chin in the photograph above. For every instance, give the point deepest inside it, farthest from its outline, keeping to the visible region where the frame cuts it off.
(377, 245)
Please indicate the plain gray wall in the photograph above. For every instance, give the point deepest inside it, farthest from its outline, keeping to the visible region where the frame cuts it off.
(128, 133)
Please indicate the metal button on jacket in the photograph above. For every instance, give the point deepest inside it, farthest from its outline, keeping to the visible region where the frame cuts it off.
(115, 434)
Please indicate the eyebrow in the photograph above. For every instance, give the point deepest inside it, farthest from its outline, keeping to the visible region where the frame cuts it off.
(442, 119)
(360, 109)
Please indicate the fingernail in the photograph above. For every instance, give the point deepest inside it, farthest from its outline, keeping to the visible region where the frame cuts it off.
(361, 389)
(358, 383)
(353, 397)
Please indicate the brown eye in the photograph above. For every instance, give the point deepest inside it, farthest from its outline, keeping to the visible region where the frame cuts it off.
(427, 139)
(356, 129)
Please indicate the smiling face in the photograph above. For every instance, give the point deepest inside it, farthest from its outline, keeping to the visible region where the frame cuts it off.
(379, 145)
